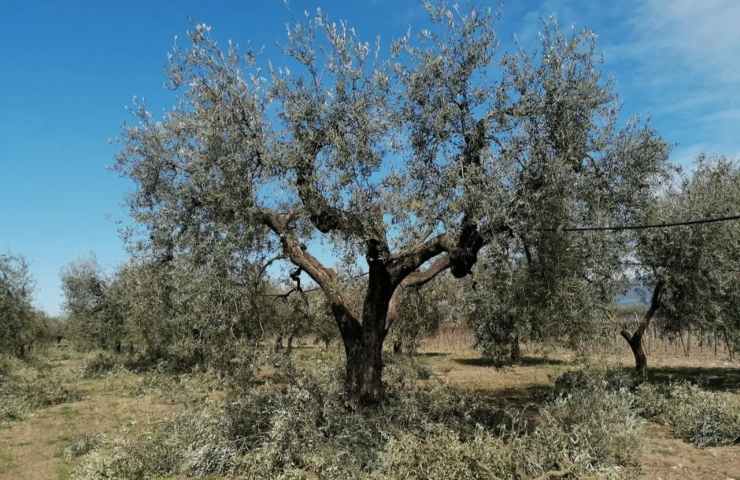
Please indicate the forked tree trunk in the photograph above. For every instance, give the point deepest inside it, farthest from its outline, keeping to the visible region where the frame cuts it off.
(635, 343)
(634, 340)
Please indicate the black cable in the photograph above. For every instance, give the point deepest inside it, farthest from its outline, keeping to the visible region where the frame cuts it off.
(643, 227)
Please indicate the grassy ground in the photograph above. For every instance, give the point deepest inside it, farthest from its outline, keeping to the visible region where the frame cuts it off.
(34, 448)
(664, 457)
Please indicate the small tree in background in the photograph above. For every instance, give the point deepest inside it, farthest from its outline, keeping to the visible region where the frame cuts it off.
(548, 287)
(95, 318)
(695, 269)
(180, 313)
(419, 316)
(19, 322)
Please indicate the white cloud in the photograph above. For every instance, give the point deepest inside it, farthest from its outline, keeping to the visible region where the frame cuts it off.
(681, 58)
(699, 37)
(677, 61)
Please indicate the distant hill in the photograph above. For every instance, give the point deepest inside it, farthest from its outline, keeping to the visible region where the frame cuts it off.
(636, 294)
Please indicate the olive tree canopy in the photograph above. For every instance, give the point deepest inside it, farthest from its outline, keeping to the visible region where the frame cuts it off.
(413, 157)
(17, 315)
(694, 269)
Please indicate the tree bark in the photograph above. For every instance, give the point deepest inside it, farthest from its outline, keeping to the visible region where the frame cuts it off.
(516, 351)
(635, 343)
(364, 370)
(634, 340)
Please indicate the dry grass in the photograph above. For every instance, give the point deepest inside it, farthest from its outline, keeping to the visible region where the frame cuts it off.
(32, 449)
(664, 457)
(112, 404)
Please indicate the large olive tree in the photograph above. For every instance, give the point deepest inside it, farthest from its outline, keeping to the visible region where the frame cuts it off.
(410, 159)
(694, 270)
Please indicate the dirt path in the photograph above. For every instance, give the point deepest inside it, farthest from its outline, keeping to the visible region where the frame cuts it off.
(32, 449)
(667, 458)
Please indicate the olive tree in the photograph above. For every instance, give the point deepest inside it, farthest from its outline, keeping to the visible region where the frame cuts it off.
(179, 312)
(17, 316)
(566, 164)
(410, 159)
(693, 269)
(419, 316)
(95, 317)
(546, 286)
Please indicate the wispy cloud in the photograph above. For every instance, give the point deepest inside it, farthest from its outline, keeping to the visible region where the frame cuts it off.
(686, 58)
(674, 59)
(698, 37)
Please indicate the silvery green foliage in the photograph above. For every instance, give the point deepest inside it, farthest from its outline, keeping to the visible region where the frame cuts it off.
(182, 313)
(25, 388)
(704, 418)
(420, 315)
(565, 163)
(554, 290)
(302, 428)
(19, 325)
(176, 314)
(95, 317)
(426, 153)
(698, 264)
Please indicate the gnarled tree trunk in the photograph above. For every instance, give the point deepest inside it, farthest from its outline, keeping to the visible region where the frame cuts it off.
(364, 345)
(634, 340)
(364, 370)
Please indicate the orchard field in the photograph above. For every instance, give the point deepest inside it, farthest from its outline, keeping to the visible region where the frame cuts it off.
(457, 254)
(52, 442)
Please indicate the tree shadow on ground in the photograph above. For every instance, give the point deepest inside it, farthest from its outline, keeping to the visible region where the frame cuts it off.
(525, 361)
(518, 397)
(506, 404)
(709, 378)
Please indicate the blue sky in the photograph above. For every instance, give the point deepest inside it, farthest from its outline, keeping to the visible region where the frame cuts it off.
(67, 69)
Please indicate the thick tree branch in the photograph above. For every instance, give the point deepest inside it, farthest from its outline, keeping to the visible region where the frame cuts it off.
(407, 262)
(414, 279)
(325, 277)
(328, 218)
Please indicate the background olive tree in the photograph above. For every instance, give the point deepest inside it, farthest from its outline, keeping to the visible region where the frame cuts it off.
(177, 314)
(567, 164)
(693, 269)
(20, 324)
(415, 157)
(95, 319)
